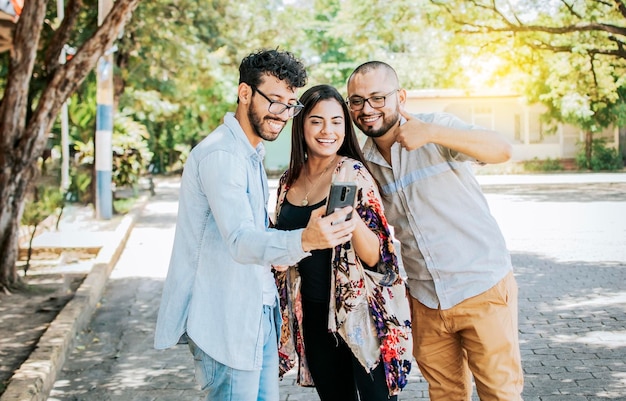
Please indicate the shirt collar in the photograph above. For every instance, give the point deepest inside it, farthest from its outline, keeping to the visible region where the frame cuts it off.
(371, 152)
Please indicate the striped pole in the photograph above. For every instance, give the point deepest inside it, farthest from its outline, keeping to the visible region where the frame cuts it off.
(65, 135)
(104, 126)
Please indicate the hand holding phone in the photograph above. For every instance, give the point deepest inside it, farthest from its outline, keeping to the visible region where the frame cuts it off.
(341, 194)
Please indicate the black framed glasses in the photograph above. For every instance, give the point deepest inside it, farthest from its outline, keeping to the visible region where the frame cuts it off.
(357, 103)
(279, 107)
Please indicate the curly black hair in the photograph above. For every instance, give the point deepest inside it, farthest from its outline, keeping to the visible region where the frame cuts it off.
(281, 64)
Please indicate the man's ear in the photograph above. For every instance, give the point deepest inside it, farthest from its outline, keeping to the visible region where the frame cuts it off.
(244, 93)
(402, 96)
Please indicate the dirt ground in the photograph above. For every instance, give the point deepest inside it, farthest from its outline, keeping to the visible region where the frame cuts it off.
(26, 314)
(52, 279)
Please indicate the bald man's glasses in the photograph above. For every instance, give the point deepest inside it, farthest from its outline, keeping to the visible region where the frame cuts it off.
(356, 103)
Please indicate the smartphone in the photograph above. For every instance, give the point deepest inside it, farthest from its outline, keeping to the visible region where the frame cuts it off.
(341, 194)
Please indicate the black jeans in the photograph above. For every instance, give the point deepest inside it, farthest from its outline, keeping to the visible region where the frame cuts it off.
(337, 374)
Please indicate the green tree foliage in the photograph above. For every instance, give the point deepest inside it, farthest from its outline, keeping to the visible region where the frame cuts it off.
(334, 36)
(34, 86)
(130, 152)
(573, 51)
(178, 69)
(177, 66)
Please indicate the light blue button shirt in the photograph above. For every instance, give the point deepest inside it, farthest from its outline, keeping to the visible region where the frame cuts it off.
(451, 246)
(222, 251)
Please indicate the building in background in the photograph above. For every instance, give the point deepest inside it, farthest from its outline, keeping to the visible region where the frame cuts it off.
(507, 113)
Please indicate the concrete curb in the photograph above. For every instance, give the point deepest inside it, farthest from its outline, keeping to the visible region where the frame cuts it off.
(34, 380)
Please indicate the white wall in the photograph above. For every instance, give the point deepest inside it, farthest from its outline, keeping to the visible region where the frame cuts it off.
(510, 115)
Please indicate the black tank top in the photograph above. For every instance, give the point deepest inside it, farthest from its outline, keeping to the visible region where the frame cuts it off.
(315, 269)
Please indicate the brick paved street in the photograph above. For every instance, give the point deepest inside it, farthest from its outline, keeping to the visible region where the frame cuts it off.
(569, 254)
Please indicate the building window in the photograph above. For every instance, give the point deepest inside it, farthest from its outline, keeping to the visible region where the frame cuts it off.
(536, 128)
(482, 116)
(518, 129)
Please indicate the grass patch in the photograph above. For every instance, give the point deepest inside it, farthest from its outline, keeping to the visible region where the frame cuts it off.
(543, 165)
(123, 205)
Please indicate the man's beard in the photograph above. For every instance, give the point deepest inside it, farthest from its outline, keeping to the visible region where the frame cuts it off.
(256, 122)
(388, 123)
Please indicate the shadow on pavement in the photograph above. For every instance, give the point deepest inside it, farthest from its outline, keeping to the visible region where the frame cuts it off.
(572, 327)
(589, 192)
(572, 332)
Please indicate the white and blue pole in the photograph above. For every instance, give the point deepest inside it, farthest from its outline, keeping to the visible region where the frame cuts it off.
(104, 126)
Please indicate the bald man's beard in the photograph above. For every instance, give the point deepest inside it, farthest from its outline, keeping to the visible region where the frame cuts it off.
(388, 123)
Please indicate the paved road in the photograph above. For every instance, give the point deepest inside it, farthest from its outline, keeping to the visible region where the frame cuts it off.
(568, 244)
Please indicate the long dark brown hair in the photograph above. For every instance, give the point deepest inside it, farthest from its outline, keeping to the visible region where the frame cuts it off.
(350, 146)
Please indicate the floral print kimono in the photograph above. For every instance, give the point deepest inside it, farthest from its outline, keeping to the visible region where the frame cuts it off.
(369, 309)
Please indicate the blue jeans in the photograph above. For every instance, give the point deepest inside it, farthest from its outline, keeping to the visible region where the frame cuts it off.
(227, 384)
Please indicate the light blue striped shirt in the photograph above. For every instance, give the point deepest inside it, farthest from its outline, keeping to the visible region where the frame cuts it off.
(451, 246)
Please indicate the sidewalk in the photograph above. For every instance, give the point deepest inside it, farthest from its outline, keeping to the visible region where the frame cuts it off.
(549, 329)
(491, 182)
(551, 179)
(78, 231)
(540, 179)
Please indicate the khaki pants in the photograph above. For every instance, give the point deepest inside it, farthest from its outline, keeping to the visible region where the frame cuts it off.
(481, 334)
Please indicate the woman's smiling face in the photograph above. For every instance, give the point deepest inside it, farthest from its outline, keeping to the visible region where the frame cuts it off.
(325, 129)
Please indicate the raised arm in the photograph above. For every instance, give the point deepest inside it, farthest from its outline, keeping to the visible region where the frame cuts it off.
(483, 145)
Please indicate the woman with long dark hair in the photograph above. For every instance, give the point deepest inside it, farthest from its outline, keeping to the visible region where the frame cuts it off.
(346, 319)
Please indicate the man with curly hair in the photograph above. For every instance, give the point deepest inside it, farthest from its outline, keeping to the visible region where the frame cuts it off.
(220, 296)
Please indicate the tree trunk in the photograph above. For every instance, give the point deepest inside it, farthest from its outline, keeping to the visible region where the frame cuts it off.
(14, 192)
(23, 141)
(9, 225)
(588, 148)
(15, 161)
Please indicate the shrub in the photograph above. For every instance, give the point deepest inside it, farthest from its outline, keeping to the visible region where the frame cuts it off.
(45, 202)
(602, 157)
(131, 155)
(548, 164)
